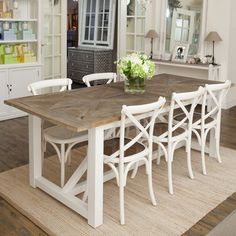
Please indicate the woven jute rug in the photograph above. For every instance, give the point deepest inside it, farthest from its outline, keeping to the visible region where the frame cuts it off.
(173, 215)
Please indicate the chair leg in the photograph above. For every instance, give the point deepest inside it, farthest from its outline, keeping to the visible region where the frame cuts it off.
(189, 163)
(62, 165)
(150, 185)
(122, 206)
(134, 172)
(69, 157)
(218, 145)
(203, 144)
(159, 155)
(170, 181)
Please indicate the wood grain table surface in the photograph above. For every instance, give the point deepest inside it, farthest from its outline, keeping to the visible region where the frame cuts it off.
(85, 108)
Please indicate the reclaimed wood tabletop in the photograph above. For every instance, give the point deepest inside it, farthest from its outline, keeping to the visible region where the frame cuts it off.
(85, 108)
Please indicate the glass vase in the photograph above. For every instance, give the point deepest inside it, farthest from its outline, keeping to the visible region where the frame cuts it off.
(134, 85)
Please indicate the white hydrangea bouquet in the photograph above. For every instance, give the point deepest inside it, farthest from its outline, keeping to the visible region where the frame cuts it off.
(136, 68)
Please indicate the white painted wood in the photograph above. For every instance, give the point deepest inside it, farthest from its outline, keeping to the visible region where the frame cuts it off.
(60, 138)
(213, 98)
(53, 34)
(69, 200)
(4, 92)
(19, 79)
(95, 176)
(95, 23)
(35, 150)
(190, 15)
(14, 81)
(74, 179)
(172, 140)
(87, 79)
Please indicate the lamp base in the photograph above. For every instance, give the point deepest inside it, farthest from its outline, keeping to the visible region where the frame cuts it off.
(214, 64)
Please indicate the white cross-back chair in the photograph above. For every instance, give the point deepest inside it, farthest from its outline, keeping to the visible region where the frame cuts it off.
(109, 76)
(122, 153)
(172, 133)
(61, 139)
(210, 118)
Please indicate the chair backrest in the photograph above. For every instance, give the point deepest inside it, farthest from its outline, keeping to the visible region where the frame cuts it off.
(110, 77)
(62, 85)
(144, 130)
(213, 99)
(179, 101)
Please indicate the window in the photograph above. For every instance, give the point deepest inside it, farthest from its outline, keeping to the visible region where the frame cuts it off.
(135, 33)
(97, 23)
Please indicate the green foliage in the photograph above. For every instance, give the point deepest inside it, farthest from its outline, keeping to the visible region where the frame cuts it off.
(136, 65)
(174, 4)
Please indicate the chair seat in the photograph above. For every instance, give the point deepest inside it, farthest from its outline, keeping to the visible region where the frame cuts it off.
(113, 145)
(60, 135)
(196, 117)
(162, 128)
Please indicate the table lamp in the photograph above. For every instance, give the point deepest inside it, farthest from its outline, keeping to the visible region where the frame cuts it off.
(213, 37)
(152, 34)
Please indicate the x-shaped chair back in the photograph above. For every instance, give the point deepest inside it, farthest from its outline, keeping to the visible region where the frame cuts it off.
(62, 85)
(213, 97)
(111, 77)
(134, 115)
(180, 100)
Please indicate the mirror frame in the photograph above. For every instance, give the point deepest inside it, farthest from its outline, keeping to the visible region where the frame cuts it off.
(162, 33)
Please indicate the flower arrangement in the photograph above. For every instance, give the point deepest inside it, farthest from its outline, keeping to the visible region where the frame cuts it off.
(136, 65)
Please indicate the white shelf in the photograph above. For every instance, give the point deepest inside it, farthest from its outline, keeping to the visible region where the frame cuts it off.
(18, 41)
(17, 20)
(183, 65)
(19, 65)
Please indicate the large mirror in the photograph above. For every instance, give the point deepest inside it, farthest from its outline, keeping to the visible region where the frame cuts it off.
(184, 25)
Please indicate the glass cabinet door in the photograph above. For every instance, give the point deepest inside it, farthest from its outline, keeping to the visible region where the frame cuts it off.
(54, 39)
(135, 27)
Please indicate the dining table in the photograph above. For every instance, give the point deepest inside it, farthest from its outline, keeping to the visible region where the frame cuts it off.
(93, 110)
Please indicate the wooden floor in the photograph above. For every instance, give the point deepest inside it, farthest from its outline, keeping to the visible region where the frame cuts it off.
(213, 218)
(14, 153)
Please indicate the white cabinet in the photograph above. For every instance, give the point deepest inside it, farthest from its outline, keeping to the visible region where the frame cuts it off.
(20, 50)
(3, 92)
(13, 84)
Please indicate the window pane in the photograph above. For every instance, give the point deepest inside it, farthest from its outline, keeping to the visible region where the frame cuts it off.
(178, 34)
(93, 5)
(140, 10)
(88, 5)
(100, 19)
(86, 37)
(106, 20)
(130, 7)
(140, 25)
(87, 20)
(91, 33)
(140, 43)
(130, 42)
(105, 35)
(92, 19)
(99, 34)
(185, 34)
(130, 25)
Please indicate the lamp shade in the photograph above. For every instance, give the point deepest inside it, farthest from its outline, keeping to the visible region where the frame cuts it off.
(213, 36)
(152, 34)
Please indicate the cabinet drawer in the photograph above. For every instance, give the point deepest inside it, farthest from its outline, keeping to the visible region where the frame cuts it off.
(76, 76)
(81, 66)
(81, 56)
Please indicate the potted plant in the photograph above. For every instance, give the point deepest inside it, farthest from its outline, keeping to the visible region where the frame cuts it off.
(135, 68)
